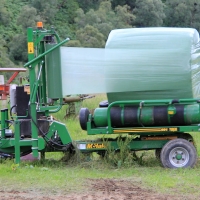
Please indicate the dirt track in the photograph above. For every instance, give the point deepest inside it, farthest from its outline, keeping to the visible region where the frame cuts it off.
(98, 189)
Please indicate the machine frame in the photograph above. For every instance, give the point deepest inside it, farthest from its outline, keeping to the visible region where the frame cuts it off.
(177, 145)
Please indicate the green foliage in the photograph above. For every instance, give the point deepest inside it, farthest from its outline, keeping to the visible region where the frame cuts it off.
(124, 19)
(123, 157)
(130, 3)
(183, 13)
(4, 58)
(14, 167)
(86, 5)
(149, 13)
(9, 12)
(104, 20)
(46, 9)
(89, 36)
(30, 14)
(67, 9)
(18, 45)
(86, 22)
(18, 48)
(4, 14)
(74, 43)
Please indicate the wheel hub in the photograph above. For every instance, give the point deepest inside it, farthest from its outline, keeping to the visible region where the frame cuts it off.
(179, 157)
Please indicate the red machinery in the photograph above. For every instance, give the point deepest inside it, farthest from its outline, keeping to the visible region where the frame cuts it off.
(4, 88)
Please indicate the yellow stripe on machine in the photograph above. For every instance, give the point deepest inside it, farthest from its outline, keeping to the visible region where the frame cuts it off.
(145, 130)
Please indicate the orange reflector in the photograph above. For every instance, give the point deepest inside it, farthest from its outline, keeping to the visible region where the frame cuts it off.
(39, 25)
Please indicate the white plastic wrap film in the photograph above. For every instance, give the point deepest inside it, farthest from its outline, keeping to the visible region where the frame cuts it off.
(164, 54)
(147, 63)
(133, 71)
(195, 69)
(82, 70)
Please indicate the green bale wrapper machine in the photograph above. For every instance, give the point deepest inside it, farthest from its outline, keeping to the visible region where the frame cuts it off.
(34, 130)
(162, 125)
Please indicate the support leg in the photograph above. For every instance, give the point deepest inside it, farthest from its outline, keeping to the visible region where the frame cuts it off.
(17, 144)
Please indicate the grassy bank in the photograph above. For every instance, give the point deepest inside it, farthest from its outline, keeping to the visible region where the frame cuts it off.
(56, 176)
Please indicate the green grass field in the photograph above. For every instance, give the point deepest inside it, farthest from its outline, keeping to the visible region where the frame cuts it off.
(55, 175)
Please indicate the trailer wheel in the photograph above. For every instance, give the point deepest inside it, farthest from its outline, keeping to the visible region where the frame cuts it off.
(178, 153)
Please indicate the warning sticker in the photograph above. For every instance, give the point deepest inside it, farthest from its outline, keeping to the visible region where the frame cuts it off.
(30, 47)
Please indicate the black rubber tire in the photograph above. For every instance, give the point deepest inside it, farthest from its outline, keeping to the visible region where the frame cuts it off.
(157, 153)
(178, 153)
(83, 117)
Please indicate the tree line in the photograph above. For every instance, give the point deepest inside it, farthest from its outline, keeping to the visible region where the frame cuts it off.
(86, 22)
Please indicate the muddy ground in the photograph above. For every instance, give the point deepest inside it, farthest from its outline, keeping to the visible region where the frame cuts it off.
(97, 189)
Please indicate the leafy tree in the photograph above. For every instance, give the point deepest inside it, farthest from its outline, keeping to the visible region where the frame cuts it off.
(4, 15)
(18, 48)
(27, 18)
(149, 13)
(67, 8)
(130, 3)
(105, 18)
(46, 9)
(124, 18)
(183, 13)
(86, 22)
(73, 43)
(195, 15)
(89, 36)
(86, 5)
(4, 59)
(5, 62)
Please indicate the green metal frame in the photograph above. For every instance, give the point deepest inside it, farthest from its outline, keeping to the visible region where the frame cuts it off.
(148, 132)
(39, 62)
(37, 143)
(156, 130)
(133, 145)
(37, 77)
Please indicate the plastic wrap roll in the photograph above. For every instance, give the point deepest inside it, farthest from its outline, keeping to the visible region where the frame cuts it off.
(161, 65)
(82, 70)
(137, 63)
